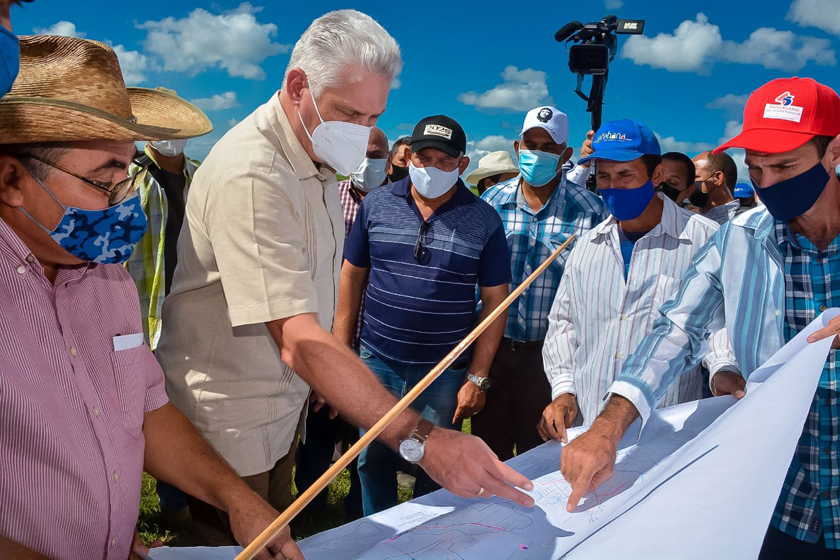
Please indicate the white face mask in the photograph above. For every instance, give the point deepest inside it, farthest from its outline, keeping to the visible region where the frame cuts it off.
(342, 145)
(169, 148)
(370, 174)
(432, 182)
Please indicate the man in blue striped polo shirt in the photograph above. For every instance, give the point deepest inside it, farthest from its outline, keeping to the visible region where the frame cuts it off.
(421, 246)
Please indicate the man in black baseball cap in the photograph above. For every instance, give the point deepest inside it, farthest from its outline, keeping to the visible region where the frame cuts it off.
(433, 242)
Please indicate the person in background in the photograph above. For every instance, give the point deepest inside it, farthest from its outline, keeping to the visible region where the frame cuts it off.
(579, 173)
(421, 250)
(638, 256)
(398, 160)
(492, 169)
(745, 195)
(677, 176)
(766, 275)
(162, 175)
(84, 410)
(715, 178)
(323, 427)
(540, 209)
(246, 327)
(9, 46)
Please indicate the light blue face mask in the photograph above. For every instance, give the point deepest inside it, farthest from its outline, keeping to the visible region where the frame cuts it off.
(538, 168)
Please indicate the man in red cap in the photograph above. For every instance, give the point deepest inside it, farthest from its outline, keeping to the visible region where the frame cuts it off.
(765, 276)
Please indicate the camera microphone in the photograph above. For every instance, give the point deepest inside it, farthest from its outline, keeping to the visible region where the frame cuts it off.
(567, 31)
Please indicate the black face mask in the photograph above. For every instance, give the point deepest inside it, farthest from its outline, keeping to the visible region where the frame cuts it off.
(397, 174)
(669, 191)
(699, 198)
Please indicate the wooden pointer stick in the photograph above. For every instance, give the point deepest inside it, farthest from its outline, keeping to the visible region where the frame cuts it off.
(303, 500)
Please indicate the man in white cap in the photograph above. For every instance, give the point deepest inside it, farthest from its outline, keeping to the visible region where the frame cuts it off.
(539, 209)
(246, 328)
(83, 411)
(493, 168)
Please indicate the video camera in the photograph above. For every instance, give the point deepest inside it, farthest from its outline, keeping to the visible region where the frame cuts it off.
(596, 47)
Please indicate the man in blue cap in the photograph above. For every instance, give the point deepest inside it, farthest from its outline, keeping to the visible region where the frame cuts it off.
(745, 195)
(637, 255)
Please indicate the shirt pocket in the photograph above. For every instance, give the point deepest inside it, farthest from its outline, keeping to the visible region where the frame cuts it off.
(130, 381)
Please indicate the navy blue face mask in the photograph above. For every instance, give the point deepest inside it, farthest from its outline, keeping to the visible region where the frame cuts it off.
(628, 204)
(9, 60)
(793, 197)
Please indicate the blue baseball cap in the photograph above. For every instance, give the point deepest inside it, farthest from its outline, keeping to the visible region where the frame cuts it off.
(744, 190)
(623, 140)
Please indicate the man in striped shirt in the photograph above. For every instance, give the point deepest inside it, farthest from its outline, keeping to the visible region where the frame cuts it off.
(421, 246)
(83, 409)
(540, 209)
(616, 277)
(765, 275)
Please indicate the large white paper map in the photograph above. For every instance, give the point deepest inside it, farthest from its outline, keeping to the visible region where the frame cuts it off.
(701, 482)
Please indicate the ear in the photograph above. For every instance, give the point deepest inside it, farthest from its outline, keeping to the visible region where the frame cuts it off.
(516, 147)
(658, 175)
(296, 82)
(718, 178)
(567, 153)
(12, 176)
(465, 162)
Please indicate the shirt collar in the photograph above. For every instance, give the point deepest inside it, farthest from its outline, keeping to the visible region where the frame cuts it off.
(669, 224)
(784, 236)
(16, 253)
(275, 124)
(522, 204)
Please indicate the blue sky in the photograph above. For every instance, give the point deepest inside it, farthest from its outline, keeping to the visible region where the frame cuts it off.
(482, 63)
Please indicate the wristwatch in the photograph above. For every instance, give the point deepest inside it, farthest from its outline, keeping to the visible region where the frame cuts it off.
(413, 448)
(482, 383)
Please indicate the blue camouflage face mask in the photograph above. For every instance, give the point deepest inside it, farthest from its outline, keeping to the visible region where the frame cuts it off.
(101, 236)
(10, 57)
(538, 168)
(628, 204)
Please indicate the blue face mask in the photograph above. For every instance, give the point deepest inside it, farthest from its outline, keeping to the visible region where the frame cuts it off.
(628, 204)
(10, 53)
(538, 168)
(102, 236)
(793, 197)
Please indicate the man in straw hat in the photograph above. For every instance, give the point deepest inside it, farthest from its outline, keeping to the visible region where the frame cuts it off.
(765, 276)
(493, 168)
(82, 404)
(246, 326)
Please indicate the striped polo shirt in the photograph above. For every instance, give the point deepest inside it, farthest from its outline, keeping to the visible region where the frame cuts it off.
(421, 300)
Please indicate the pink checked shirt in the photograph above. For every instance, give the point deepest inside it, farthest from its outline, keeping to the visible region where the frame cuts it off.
(71, 408)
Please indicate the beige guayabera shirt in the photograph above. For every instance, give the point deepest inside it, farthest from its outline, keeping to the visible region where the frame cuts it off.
(262, 240)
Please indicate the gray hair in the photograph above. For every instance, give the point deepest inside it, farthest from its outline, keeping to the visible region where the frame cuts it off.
(339, 38)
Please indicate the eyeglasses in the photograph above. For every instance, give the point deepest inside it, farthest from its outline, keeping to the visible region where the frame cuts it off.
(117, 192)
(424, 238)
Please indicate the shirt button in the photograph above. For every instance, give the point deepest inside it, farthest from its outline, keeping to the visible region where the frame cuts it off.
(823, 307)
(30, 259)
(778, 313)
(73, 351)
(21, 269)
(619, 356)
(96, 411)
(113, 541)
(116, 476)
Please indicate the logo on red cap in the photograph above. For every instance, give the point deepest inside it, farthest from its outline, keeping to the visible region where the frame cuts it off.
(784, 109)
(785, 99)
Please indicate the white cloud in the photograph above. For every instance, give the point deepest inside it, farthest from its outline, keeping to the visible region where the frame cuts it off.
(823, 14)
(613, 4)
(217, 102)
(234, 41)
(63, 28)
(779, 50)
(697, 44)
(133, 64)
(730, 102)
(521, 90)
(671, 144)
(687, 49)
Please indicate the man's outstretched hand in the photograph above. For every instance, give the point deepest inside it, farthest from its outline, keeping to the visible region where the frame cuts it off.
(464, 465)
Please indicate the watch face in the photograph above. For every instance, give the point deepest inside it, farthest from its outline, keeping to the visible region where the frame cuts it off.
(411, 450)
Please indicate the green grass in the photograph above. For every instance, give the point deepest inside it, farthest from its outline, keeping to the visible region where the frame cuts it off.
(153, 529)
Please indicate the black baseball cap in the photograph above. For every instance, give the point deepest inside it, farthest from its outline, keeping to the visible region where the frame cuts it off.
(439, 132)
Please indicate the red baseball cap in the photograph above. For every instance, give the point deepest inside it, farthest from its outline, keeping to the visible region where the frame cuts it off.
(783, 114)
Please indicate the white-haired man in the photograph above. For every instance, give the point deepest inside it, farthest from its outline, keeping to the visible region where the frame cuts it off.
(246, 326)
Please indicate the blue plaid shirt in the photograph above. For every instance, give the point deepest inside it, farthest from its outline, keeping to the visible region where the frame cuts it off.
(764, 284)
(532, 236)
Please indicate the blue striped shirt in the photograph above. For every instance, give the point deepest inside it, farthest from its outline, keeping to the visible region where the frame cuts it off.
(764, 284)
(532, 237)
(417, 310)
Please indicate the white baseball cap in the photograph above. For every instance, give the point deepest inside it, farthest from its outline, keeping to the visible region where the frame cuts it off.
(553, 120)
